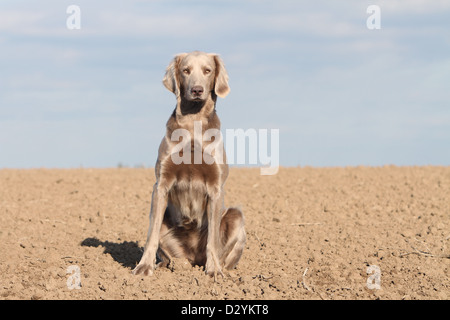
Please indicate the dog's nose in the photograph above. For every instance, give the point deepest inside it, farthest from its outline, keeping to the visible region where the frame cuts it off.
(197, 90)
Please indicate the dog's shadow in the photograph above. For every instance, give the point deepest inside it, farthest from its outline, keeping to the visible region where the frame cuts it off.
(126, 253)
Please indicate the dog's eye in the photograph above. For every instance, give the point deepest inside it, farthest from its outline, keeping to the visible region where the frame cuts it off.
(186, 71)
(207, 71)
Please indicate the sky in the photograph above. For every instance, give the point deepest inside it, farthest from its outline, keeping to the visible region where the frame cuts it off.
(339, 93)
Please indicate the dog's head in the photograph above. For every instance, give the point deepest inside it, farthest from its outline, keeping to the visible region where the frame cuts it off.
(194, 76)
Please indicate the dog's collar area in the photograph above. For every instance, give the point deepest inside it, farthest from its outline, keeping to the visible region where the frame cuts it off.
(194, 106)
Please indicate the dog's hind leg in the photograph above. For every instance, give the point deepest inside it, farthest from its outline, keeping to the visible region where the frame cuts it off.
(232, 234)
(170, 245)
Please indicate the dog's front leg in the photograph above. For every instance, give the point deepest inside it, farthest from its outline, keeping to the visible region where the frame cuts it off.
(159, 205)
(214, 213)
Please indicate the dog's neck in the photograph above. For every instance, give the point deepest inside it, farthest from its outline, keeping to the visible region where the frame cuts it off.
(187, 112)
(202, 108)
(190, 107)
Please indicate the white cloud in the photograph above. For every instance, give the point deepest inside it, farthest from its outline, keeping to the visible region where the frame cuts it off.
(403, 7)
(20, 21)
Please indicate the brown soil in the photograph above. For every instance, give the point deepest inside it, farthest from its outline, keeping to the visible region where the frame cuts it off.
(312, 233)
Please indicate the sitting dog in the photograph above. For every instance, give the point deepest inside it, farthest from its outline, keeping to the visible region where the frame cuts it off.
(188, 218)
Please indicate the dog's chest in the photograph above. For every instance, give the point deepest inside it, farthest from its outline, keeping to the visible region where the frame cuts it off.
(188, 201)
(191, 186)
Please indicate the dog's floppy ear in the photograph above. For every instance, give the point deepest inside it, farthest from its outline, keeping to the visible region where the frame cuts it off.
(171, 78)
(221, 87)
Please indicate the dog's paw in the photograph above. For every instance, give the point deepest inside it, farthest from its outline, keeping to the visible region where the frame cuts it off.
(143, 268)
(213, 270)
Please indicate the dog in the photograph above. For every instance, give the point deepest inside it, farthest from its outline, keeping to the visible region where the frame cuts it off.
(188, 218)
